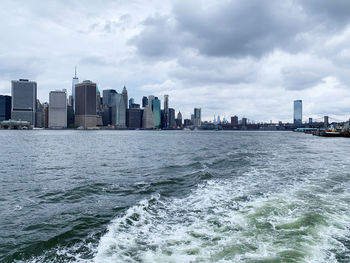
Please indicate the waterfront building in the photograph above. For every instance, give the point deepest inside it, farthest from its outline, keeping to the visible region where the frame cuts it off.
(244, 122)
(134, 118)
(156, 112)
(125, 98)
(39, 115)
(179, 120)
(85, 104)
(187, 122)
(197, 117)
(234, 121)
(5, 108)
(70, 117)
(148, 118)
(298, 112)
(58, 109)
(166, 110)
(144, 101)
(172, 122)
(114, 109)
(120, 108)
(23, 104)
(75, 81)
(46, 115)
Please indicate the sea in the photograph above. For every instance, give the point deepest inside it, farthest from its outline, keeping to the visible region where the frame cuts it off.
(173, 196)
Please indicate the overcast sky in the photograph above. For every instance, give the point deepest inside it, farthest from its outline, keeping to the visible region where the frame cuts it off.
(249, 58)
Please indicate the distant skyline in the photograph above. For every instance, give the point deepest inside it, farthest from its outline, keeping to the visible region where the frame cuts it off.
(245, 58)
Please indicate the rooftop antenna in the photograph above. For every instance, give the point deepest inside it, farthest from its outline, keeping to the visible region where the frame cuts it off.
(75, 72)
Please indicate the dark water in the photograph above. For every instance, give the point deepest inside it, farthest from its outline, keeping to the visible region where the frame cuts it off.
(138, 196)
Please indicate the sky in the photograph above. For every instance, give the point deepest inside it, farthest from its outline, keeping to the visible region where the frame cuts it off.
(229, 57)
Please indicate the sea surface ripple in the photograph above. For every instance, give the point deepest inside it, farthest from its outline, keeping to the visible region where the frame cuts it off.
(173, 196)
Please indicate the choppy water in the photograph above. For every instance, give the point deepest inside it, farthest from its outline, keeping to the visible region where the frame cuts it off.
(139, 196)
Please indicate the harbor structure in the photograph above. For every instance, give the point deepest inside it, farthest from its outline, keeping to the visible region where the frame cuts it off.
(23, 104)
(5, 108)
(85, 104)
(58, 109)
(298, 112)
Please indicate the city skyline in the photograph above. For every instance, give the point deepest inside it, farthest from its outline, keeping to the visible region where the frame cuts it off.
(172, 51)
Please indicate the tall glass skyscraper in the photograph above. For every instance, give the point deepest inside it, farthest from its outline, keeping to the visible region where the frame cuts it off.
(298, 111)
(156, 111)
(5, 108)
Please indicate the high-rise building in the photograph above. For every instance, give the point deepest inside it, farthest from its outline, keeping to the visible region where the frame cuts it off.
(125, 98)
(46, 114)
(58, 109)
(148, 118)
(75, 81)
(23, 105)
(197, 117)
(134, 118)
(131, 102)
(39, 115)
(85, 104)
(166, 110)
(5, 108)
(187, 122)
(144, 101)
(179, 119)
(98, 100)
(172, 122)
(114, 109)
(156, 112)
(298, 112)
(234, 121)
(244, 122)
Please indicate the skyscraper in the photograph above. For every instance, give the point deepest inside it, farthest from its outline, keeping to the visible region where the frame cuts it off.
(75, 81)
(148, 118)
(113, 102)
(172, 122)
(131, 102)
(234, 121)
(23, 106)
(134, 118)
(298, 112)
(156, 111)
(166, 110)
(197, 116)
(179, 119)
(85, 104)
(5, 108)
(144, 101)
(58, 109)
(125, 97)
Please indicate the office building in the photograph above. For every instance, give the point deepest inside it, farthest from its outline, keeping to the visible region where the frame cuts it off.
(298, 112)
(179, 120)
(197, 117)
(144, 101)
(131, 102)
(166, 110)
(187, 122)
(98, 100)
(125, 98)
(23, 105)
(58, 109)
(5, 108)
(85, 104)
(234, 121)
(172, 122)
(75, 81)
(39, 115)
(244, 122)
(156, 112)
(148, 118)
(134, 118)
(114, 109)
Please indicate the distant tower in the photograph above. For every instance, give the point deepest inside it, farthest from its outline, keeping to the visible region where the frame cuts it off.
(74, 82)
(85, 104)
(298, 112)
(179, 119)
(144, 101)
(198, 116)
(166, 110)
(125, 97)
(58, 109)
